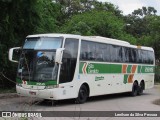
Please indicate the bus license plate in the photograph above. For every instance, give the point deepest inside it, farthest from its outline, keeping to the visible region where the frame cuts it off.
(32, 93)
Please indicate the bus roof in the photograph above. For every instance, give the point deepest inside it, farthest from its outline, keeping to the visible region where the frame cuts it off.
(109, 40)
(95, 38)
(92, 38)
(54, 35)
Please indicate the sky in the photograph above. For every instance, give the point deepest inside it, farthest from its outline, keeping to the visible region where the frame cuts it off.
(128, 6)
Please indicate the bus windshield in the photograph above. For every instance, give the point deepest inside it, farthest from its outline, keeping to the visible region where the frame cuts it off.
(37, 59)
(37, 66)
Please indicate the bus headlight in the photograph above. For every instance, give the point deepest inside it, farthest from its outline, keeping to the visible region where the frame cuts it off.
(51, 86)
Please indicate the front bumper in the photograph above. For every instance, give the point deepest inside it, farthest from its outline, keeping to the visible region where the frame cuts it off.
(53, 94)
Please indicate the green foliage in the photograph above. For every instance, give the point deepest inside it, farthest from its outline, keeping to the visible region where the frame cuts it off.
(139, 22)
(74, 7)
(20, 18)
(100, 23)
(145, 11)
(153, 38)
(47, 14)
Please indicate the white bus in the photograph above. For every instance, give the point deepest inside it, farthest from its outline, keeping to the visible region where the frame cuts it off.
(65, 66)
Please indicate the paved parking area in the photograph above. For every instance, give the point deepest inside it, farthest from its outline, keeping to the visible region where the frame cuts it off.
(114, 102)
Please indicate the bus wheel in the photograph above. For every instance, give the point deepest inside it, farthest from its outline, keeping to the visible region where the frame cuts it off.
(141, 88)
(82, 95)
(134, 89)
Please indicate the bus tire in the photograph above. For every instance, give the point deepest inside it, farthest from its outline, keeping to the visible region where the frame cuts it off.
(134, 89)
(141, 88)
(82, 95)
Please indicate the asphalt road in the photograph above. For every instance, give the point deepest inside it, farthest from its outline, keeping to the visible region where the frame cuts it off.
(114, 102)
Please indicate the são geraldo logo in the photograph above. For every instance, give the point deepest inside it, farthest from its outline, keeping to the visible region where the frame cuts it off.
(89, 68)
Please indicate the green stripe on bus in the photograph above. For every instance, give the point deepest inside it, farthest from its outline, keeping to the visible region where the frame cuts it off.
(147, 69)
(49, 82)
(129, 68)
(100, 68)
(125, 79)
(97, 68)
(80, 67)
(139, 69)
(115, 69)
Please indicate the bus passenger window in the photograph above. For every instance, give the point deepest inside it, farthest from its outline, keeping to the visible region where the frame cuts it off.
(88, 50)
(132, 55)
(125, 54)
(100, 48)
(115, 53)
(144, 56)
(139, 56)
(151, 57)
(106, 53)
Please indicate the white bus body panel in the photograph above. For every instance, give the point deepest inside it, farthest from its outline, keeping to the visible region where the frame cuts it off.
(112, 83)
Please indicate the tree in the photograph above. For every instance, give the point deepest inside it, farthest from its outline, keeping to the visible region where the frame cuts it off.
(101, 23)
(72, 7)
(20, 18)
(153, 38)
(145, 11)
(144, 25)
(138, 21)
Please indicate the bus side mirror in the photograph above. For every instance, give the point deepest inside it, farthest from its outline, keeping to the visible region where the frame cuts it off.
(58, 56)
(11, 53)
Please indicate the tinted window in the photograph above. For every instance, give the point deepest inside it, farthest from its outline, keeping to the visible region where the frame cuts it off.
(139, 56)
(125, 54)
(144, 55)
(150, 57)
(95, 51)
(69, 60)
(88, 50)
(132, 55)
(102, 52)
(113, 53)
(116, 53)
(106, 53)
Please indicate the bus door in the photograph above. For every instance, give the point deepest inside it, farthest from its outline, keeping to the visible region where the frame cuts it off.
(68, 66)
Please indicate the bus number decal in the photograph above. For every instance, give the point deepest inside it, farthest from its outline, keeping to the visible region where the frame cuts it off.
(149, 70)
